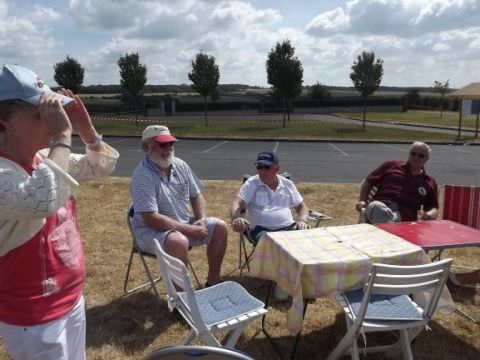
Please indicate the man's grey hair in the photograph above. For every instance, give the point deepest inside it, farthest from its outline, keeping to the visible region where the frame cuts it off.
(421, 144)
(146, 143)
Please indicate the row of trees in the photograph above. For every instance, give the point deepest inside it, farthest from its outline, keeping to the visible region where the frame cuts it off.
(284, 74)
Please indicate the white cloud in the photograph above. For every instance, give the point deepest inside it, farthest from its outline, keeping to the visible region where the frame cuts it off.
(21, 38)
(403, 18)
(333, 21)
(419, 40)
(3, 9)
(230, 13)
(170, 36)
(43, 14)
(109, 14)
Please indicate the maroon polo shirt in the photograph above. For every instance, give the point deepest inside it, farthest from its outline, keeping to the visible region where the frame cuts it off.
(396, 184)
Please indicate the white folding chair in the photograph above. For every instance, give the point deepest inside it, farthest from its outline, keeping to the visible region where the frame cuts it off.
(314, 218)
(195, 352)
(151, 280)
(224, 307)
(384, 304)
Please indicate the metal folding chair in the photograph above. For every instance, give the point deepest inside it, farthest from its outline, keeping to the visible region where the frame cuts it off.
(362, 218)
(143, 255)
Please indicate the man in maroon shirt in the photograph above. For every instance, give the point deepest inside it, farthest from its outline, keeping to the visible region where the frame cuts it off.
(403, 188)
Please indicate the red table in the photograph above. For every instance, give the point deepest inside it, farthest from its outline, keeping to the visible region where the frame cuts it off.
(435, 234)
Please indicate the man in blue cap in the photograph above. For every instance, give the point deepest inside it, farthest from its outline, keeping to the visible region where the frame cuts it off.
(268, 197)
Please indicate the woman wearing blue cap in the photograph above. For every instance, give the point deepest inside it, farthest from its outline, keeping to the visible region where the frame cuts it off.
(42, 267)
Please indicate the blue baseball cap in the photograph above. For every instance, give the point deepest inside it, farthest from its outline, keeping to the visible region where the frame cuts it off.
(20, 83)
(267, 158)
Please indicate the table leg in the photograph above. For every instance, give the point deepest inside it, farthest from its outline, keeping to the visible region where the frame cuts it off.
(278, 352)
(264, 329)
(297, 338)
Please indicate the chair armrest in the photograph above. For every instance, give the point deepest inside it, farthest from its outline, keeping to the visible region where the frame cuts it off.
(315, 215)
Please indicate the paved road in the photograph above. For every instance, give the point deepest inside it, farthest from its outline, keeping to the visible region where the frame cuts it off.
(307, 161)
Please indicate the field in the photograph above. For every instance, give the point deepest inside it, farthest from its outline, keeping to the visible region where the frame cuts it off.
(130, 327)
(301, 127)
(424, 117)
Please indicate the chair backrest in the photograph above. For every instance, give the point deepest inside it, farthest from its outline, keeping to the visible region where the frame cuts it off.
(462, 204)
(203, 352)
(363, 213)
(176, 276)
(405, 280)
(285, 174)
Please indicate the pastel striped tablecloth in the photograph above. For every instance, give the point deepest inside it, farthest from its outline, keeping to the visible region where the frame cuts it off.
(326, 261)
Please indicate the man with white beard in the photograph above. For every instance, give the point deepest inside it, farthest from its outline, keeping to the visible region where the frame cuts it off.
(169, 206)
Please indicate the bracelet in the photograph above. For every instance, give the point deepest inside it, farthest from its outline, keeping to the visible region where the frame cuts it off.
(60, 143)
(94, 144)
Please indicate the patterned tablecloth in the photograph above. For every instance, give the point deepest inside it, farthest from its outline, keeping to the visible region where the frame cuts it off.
(327, 261)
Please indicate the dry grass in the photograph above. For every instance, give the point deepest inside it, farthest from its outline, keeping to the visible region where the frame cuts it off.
(129, 327)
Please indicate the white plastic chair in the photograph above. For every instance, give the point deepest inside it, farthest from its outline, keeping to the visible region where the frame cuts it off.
(151, 280)
(384, 304)
(195, 352)
(224, 307)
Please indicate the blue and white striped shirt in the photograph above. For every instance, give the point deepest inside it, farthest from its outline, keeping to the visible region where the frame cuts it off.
(152, 190)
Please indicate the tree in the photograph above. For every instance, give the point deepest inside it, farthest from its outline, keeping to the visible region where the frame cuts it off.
(319, 92)
(442, 89)
(204, 78)
(366, 76)
(285, 74)
(69, 74)
(133, 77)
(413, 97)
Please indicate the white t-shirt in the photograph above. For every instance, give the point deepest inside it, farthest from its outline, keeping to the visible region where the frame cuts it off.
(269, 208)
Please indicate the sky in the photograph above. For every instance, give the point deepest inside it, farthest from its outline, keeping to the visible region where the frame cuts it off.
(419, 41)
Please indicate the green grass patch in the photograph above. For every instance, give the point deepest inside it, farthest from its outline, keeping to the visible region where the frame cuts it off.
(266, 127)
(425, 117)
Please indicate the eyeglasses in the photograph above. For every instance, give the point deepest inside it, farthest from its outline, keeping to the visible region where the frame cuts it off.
(164, 145)
(414, 153)
(262, 167)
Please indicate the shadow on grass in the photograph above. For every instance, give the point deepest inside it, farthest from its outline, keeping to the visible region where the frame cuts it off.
(438, 343)
(462, 294)
(130, 323)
